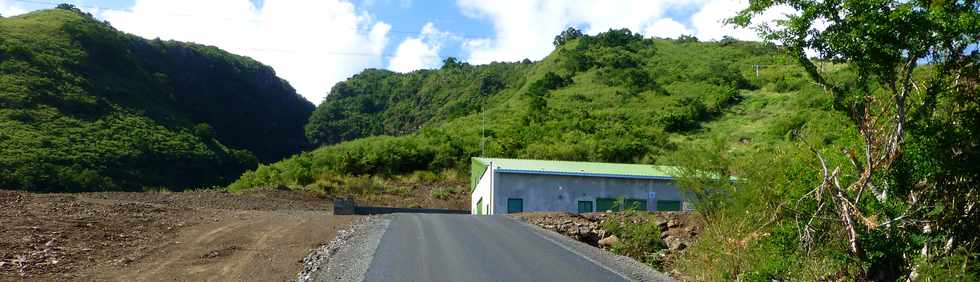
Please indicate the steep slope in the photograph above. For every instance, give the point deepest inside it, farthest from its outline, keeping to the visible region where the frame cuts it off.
(246, 104)
(381, 102)
(614, 97)
(86, 107)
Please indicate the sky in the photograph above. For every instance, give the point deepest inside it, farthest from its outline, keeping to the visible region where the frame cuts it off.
(314, 44)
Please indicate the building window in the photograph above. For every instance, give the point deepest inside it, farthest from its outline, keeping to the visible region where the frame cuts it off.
(585, 206)
(515, 205)
(615, 205)
(668, 205)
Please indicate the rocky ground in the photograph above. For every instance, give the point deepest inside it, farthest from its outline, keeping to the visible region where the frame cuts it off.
(348, 256)
(678, 230)
(199, 235)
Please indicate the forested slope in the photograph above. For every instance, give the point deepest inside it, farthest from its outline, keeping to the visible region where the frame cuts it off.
(614, 97)
(859, 164)
(381, 102)
(86, 107)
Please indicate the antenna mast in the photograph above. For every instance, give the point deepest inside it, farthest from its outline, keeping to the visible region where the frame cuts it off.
(483, 129)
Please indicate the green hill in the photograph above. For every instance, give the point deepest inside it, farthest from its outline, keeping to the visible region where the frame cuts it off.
(86, 107)
(614, 97)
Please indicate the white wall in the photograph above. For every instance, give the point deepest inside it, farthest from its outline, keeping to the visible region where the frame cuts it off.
(541, 192)
(483, 190)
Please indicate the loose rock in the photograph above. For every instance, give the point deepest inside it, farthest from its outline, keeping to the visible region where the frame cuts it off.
(609, 241)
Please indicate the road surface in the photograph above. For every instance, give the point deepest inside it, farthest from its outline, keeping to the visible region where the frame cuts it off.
(430, 247)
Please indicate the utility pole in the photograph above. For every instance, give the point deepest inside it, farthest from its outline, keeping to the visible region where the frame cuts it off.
(756, 71)
(483, 129)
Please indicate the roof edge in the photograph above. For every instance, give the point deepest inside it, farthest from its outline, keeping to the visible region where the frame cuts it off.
(626, 176)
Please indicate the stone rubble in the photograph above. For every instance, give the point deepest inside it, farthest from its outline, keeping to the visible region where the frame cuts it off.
(677, 232)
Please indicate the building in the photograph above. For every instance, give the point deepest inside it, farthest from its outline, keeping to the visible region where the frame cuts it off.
(510, 185)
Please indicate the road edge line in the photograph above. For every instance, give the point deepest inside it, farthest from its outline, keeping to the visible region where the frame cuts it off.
(538, 231)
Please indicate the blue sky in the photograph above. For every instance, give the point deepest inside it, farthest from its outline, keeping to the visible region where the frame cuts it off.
(316, 43)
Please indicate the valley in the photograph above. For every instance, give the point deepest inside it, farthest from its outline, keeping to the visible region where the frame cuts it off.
(843, 146)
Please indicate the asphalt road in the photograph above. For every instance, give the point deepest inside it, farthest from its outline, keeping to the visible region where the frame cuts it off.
(431, 247)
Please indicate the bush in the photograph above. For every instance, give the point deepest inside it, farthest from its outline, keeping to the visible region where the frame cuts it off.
(443, 193)
(638, 233)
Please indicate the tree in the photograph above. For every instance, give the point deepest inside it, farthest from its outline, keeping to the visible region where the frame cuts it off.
(727, 40)
(687, 39)
(569, 34)
(538, 94)
(452, 63)
(66, 6)
(915, 81)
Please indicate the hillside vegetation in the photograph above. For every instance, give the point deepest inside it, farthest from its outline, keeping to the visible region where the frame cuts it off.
(862, 167)
(613, 97)
(86, 107)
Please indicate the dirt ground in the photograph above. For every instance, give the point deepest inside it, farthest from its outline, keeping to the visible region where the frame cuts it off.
(188, 236)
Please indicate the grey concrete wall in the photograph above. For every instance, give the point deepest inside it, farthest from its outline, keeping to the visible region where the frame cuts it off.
(562, 193)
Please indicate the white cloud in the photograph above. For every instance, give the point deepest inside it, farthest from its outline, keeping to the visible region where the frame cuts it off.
(419, 52)
(312, 44)
(8, 10)
(525, 28)
(667, 28)
(709, 21)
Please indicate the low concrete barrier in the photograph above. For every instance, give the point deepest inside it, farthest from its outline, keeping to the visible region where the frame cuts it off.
(346, 206)
(386, 210)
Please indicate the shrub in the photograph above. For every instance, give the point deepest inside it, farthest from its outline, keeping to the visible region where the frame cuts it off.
(443, 193)
(638, 233)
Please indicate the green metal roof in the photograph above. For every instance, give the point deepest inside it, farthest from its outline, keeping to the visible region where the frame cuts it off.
(578, 168)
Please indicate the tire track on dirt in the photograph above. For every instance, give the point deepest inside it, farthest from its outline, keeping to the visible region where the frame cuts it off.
(176, 255)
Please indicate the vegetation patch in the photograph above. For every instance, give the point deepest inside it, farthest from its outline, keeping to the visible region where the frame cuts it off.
(84, 107)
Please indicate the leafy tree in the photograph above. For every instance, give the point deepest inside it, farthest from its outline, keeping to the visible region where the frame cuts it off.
(66, 6)
(687, 39)
(452, 63)
(727, 40)
(914, 101)
(538, 93)
(569, 34)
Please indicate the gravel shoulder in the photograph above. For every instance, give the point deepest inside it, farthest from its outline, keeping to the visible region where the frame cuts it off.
(349, 255)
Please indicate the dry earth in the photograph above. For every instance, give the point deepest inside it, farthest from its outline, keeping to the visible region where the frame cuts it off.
(188, 236)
